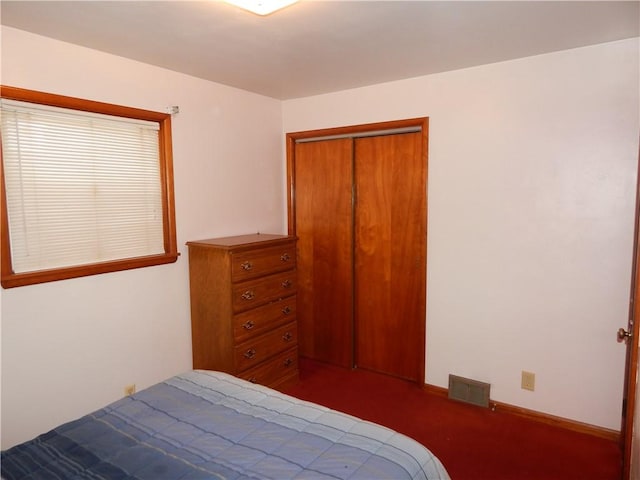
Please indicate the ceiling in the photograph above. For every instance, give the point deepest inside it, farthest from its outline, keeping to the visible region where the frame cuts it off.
(320, 46)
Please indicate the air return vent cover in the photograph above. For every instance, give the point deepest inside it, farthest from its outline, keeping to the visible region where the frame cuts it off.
(469, 391)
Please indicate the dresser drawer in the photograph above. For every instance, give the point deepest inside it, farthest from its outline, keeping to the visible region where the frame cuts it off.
(257, 321)
(257, 292)
(271, 371)
(254, 351)
(250, 264)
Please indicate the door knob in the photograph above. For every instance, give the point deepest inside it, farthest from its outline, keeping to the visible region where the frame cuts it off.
(623, 335)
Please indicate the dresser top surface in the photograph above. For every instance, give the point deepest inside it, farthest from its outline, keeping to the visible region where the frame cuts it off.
(254, 239)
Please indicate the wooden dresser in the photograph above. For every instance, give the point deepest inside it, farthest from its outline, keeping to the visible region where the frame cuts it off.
(243, 307)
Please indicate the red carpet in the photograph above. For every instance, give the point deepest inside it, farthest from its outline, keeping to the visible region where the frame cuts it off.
(472, 442)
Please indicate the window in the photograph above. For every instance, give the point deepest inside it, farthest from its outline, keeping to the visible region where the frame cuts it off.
(87, 188)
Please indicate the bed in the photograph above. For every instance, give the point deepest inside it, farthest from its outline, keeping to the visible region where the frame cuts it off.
(211, 425)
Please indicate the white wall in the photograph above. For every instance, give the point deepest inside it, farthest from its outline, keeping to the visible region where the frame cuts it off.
(532, 170)
(70, 347)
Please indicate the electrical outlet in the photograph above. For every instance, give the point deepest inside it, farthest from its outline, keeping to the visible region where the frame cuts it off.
(129, 389)
(528, 381)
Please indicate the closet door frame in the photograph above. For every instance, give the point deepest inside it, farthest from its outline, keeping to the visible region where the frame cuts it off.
(371, 129)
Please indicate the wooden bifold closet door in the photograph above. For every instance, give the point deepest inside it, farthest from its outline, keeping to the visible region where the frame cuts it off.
(324, 226)
(390, 254)
(360, 218)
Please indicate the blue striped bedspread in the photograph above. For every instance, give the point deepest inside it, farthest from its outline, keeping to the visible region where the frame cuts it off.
(210, 425)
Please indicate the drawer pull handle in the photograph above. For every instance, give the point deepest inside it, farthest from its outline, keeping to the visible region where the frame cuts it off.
(286, 310)
(287, 284)
(248, 295)
(248, 325)
(288, 362)
(287, 337)
(250, 353)
(247, 266)
(253, 380)
(285, 257)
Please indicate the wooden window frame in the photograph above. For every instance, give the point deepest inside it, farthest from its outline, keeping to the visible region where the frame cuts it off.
(9, 278)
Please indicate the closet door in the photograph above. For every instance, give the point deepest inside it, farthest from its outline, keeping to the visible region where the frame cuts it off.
(390, 254)
(324, 226)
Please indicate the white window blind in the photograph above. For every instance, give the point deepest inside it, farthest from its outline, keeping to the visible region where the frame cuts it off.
(81, 188)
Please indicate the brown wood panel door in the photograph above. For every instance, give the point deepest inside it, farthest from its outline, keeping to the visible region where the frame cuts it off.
(390, 254)
(324, 226)
(630, 434)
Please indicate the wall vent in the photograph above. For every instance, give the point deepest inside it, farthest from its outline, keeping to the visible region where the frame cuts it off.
(469, 391)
